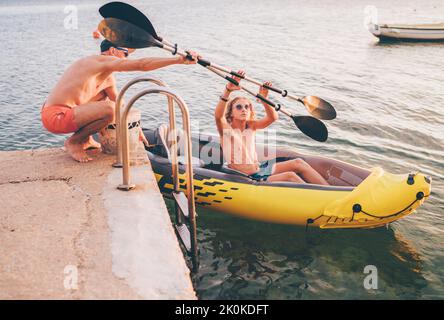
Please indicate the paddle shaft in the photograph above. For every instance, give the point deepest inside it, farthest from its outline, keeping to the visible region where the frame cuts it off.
(214, 69)
(120, 29)
(118, 25)
(205, 63)
(315, 129)
(300, 121)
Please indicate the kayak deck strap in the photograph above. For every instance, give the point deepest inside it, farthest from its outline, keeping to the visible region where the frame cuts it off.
(418, 198)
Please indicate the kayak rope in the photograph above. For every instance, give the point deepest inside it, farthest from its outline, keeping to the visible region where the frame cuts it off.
(357, 209)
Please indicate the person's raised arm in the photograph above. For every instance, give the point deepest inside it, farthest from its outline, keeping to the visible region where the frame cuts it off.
(221, 107)
(271, 114)
(219, 112)
(148, 64)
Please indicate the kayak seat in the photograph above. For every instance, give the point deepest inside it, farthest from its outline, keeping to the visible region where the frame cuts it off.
(341, 177)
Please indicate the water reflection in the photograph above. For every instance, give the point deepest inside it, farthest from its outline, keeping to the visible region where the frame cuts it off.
(407, 43)
(242, 259)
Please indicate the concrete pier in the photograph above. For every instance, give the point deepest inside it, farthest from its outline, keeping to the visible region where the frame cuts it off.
(66, 232)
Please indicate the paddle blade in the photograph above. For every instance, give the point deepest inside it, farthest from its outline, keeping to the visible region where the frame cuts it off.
(311, 127)
(319, 108)
(125, 34)
(128, 13)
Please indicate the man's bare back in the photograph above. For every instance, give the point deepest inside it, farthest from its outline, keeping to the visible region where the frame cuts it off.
(84, 81)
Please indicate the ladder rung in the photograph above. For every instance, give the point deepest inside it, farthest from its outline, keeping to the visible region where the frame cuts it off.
(182, 201)
(184, 235)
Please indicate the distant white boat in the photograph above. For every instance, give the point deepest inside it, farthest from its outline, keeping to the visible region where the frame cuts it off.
(419, 32)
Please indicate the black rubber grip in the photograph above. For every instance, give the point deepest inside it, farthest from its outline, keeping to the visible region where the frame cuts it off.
(234, 73)
(272, 89)
(189, 56)
(204, 63)
(236, 83)
(265, 100)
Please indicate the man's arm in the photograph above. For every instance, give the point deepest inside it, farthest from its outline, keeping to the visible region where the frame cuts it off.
(146, 64)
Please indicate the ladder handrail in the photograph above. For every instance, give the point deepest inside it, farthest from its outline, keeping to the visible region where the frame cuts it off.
(124, 138)
(118, 107)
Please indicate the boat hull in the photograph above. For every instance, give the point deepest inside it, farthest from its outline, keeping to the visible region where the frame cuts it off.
(406, 33)
(383, 197)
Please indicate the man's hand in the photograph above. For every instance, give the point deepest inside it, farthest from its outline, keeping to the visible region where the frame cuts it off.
(193, 54)
(232, 87)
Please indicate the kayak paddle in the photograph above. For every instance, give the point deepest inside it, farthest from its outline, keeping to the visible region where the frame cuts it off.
(316, 106)
(125, 34)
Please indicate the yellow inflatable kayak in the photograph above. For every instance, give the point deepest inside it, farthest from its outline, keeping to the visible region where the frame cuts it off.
(355, 198)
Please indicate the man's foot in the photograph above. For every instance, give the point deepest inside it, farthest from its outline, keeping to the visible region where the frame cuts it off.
(91, 144)
(76, 151)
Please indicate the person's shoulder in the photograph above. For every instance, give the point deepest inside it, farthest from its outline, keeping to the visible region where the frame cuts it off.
(106, 62)
(95, 59)
(105, 58)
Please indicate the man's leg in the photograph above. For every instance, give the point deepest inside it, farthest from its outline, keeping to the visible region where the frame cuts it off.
(90, 118)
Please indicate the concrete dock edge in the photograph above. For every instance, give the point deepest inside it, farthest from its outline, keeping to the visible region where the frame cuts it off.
(66, 232)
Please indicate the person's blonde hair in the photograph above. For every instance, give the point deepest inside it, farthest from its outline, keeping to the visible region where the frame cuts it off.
(230, 104)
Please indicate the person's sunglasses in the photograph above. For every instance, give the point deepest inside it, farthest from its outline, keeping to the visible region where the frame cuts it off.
(240, 107)
(125, 51)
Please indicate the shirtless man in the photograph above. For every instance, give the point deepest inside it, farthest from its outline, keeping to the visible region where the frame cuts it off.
(83, 100)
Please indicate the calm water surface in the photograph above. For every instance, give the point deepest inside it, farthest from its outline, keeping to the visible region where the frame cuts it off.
(389, 99)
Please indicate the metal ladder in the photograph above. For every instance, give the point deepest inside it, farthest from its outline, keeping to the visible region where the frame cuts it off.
(185, 209)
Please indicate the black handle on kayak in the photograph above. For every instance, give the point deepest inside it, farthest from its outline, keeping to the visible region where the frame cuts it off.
(188, 56)
(266, 101)
(272, 89)
(234, 73)
(204, 63)
(233, 81)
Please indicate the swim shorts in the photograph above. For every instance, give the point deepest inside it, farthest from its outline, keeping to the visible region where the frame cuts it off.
(265, 170)
(58, 119)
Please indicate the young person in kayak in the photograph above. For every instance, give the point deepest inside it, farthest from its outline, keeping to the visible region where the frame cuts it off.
(237, 128)
(83, 100)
